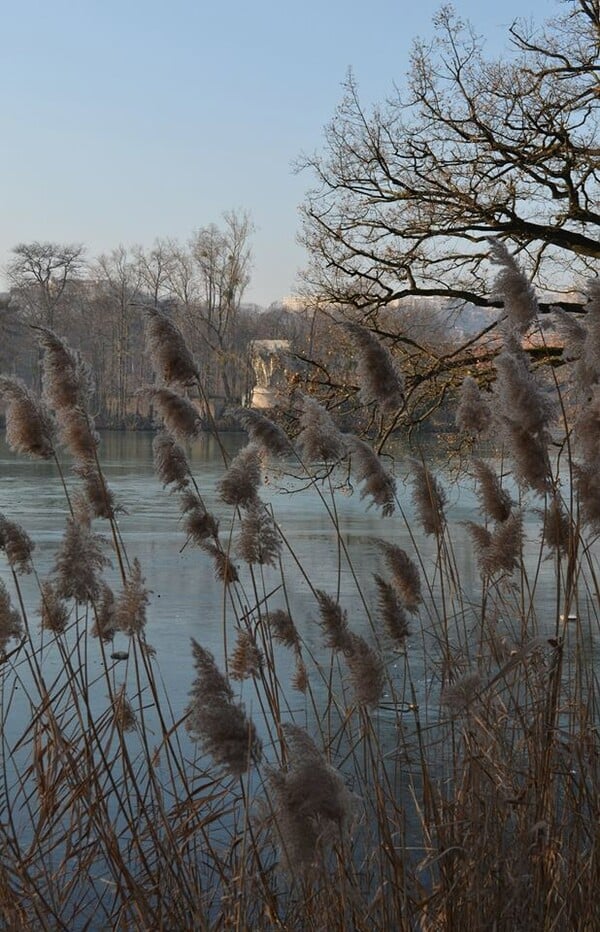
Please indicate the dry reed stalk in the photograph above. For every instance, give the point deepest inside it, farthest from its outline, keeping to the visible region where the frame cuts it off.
(214, 719)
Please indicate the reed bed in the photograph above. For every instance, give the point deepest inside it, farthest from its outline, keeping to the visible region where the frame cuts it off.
(450, 778)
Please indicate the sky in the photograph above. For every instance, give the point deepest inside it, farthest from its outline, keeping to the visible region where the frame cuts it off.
(128, 120)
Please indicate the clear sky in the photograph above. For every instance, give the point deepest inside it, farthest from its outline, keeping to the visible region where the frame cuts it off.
(127, 120)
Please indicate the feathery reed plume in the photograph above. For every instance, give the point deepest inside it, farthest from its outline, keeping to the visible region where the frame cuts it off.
(214, 719)
(529, 453)
(588, 492)
(587, 428)
(300, 677)
(130, 612)
(521, 398)
(405, 574)
(588, 368)
(99, 496)
(53, 610)
(170, 462)
(379, 484)
(29, 425)
(11, 624)
(258, 541)
(367, 671)
(247, 659)
(67, 379)
(319, 439)
(517, 292)
(181, 418)
(364, 664)
(171, 359)
(77, 434)
(495, 501)
(310, 801)
(499, 551)
(473, 414)
(79, 561)
(556, 526)
(105, 615)
(392, 612)
(572, 332)
(283, 628)
(224, 569)
(124, 717)
(240, 484)
(334, 621)
(198, 523)
(17, 545)
(429, 499)
(262, 431)
(458, 696)
(378, 378)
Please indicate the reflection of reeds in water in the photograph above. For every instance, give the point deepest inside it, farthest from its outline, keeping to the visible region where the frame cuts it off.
(430, 763)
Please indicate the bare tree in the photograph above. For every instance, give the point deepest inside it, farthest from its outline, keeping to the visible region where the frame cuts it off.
(41, 275)
(408, 194)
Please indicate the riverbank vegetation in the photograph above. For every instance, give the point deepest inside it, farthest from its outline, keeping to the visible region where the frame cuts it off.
(429, 760)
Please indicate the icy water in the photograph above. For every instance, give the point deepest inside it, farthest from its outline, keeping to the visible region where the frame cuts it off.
(186, 600)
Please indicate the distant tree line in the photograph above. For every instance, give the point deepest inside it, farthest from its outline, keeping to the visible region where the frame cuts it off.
(99, 305)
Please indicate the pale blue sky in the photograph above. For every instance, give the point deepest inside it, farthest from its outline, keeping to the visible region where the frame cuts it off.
(126, 121)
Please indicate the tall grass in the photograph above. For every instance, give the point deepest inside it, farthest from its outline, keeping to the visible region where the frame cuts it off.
(440, 773)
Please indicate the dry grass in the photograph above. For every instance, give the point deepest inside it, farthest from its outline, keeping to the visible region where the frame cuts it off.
(441, 775)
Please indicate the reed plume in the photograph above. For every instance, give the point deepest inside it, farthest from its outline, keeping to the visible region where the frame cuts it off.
(216, 721)
(517, 292)
(367, 467)
(130, 609)
(170, 462)
(29, 425)
(78, 435)
(53, 610)
(300, 678)
(170, 357)
(367, 671)
(181, 418)
(499, 551)
(17, 545)
(198, 523)
(311, 803)
(529, 454)
(79, 562)
(225, 570)
(334, 622)
(456, 697)
(556, 526)
(283, 628)
(258, 541)
(588, 493)
(405, 574)
(11, 624)
(495, 501)
(247, 659)
(393, 612)
(105, 615)
(263, 432)
(377, 376)
(67, 379)
(319, 438)
(587, 428)
(98, 494)
(429, 499)
(473, 413)
(521, 398)
(239, 486)
(124, 717)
